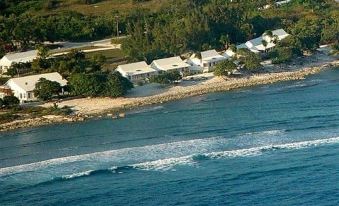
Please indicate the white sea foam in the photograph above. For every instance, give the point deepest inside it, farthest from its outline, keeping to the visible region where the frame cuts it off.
(126, 155)
(164, 156)
(264, 133)
(79, 174)
(164, 164)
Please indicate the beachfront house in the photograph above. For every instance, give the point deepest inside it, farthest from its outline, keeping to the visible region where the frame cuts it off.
(210, 58)
(21, 57)
(229, 53)
(194, 63)
(138, 71)
(23, 87)
(266, 42)
(170, 64)
(280, 34)
(207, 60)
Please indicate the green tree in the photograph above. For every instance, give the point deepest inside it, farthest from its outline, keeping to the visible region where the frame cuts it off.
(264, 43)
(225, 41)
(43, 51)
(2, 104)
(87, 84)
(166, 77)
(46, 89)
(224, 68)
(308, 32)
(19, 68)
(281, 55)
(250, 60)
(117, 85)
(11, 101)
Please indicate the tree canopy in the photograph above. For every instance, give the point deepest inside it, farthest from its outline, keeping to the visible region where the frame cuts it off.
(46, 89)
(224, 68)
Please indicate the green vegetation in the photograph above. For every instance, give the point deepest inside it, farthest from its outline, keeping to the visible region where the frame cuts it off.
(46, 89)
(9, 102)
(166, 77)
(281, 55)
(99, 84)
(224, 68)
(159, 28)
(113, 58)
(15, 113)
(250, 60)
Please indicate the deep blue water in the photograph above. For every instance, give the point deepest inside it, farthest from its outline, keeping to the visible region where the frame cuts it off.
(266, 145)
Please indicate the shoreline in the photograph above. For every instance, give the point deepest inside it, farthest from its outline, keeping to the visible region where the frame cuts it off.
(90, 108)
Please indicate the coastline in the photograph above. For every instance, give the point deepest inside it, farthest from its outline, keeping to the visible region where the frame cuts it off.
(88, 108)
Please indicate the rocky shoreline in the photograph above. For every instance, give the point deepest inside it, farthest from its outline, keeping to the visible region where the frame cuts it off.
(217, 85)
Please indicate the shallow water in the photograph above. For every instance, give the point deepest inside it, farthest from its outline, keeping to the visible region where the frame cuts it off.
(268, 145)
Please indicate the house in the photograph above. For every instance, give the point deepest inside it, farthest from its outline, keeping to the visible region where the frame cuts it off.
(23, 87)
(257, 45)
(22, 57)
(280, 34)
(194, 63)
(229, 53)
(138, 71)
(210, 58)
(170, 64)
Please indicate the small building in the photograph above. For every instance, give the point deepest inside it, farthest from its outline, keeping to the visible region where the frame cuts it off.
(210, 58)
(23, 87)
(21, 57)
(170, 64)
(138, 71)
(279, 33)
(194, 63)
(229, 53)
(256, 45)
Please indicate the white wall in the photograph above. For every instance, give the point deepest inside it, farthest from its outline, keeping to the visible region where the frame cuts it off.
(18, 91)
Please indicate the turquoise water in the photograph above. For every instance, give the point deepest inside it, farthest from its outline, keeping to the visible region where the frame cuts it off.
(266, 145)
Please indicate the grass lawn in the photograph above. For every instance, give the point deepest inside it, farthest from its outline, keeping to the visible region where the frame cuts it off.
(114, 57)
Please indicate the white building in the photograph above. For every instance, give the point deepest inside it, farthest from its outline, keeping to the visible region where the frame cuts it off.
(207, 60)
(229, 53)
(23, 87)
(256, 45)
(210, 58)
(279, 33)
(170, 64)
(138, 71)
(194, 63)
(22, 57)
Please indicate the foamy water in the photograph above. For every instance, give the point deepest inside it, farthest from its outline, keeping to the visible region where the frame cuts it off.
(194, 148)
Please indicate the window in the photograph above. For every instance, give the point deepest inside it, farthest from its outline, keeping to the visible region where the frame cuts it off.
(20, 96)
(29, 95)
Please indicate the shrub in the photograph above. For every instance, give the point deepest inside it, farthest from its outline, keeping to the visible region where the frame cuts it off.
(45, 89)
(11, 101)
(224, 68)
(1, 103)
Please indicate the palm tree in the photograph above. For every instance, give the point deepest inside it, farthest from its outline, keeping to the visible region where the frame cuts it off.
(269, 33)
(275, 39)
(264, 43)
(225, 40)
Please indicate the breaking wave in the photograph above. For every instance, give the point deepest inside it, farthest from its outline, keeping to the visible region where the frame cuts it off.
(164, 164)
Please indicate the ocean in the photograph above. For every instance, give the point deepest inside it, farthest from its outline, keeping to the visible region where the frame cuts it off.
(266, 145)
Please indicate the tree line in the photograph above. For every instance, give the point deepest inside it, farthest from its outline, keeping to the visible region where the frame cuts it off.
(192, 26)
